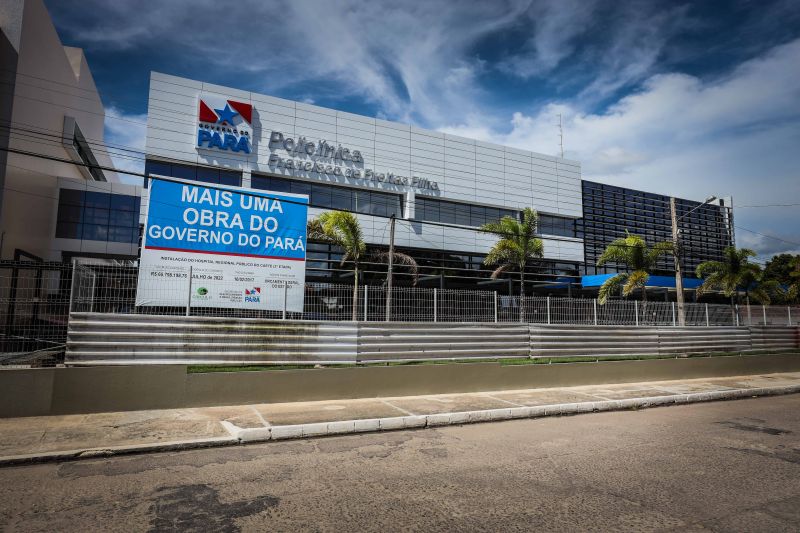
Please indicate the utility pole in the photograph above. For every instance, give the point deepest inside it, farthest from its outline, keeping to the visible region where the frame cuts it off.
(677, 257)
(678, 252)
(390, 270)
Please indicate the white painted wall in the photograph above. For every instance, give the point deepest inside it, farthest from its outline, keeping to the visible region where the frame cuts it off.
(466, 170)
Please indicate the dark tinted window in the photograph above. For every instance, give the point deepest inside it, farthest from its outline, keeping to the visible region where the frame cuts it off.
(97, 216)
(219, 176)
(334, 197)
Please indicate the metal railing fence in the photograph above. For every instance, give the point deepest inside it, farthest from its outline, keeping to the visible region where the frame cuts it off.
(112, 289)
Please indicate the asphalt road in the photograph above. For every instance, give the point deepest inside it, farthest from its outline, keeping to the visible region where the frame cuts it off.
(728, 466)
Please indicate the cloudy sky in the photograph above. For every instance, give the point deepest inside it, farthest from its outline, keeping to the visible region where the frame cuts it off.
(686, 99)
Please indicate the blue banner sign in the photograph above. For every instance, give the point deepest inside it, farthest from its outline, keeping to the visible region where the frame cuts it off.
(187, 217)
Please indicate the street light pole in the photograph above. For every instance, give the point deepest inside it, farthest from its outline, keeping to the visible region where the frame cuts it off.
(390, 270)
(677, 259)
(678, 253)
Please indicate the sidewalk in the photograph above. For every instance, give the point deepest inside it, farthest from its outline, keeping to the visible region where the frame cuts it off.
(51, 438)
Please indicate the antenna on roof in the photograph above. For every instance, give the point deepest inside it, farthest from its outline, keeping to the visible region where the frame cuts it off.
(561, 135)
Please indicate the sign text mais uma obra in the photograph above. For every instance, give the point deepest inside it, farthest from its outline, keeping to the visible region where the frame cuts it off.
(216, 224)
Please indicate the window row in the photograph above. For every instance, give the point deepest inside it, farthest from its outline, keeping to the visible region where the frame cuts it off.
(432, 210)
(219, 176)
(335, 197)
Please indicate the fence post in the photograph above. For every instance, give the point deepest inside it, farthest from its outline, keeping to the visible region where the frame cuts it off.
(495, 306)
(789, 314)
(285, 297)
(72, 288)
(736, 314)
(435, 305)
(548, 310)
(594, 302)
(707, 322)
(189, 299)
(673, 314)
(764, 311)
(636, 310)
(749, 314)
(366, 301)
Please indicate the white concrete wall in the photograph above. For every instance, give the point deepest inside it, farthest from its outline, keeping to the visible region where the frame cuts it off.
(466, 170)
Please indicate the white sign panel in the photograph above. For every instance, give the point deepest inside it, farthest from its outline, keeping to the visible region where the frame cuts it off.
(244, 247)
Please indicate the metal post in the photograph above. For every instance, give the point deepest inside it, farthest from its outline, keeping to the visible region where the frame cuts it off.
(595, 310)
(736, 312)
(189, 299)
(764, 311)
(636, 310)
(435, 305)
(677, 260)
(390, 271)
(707, 322)
(749, 313)
(673, 314)
(548, 310)
(72, 289)
(285, 297)
(789, 314)
(495, 306)
(366, 300)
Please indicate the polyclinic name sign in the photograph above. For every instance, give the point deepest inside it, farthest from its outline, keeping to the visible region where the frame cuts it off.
(246, 249)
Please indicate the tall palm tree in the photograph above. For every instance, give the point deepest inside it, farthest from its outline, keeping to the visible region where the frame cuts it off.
(342, 229)
(518, 245)
(633, 252)
(736, 272)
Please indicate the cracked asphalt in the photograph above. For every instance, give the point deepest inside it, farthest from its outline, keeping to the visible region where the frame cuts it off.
(723, 466)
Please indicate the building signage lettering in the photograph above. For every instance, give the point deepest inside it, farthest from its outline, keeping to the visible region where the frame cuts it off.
(224, 125)
(336, 161)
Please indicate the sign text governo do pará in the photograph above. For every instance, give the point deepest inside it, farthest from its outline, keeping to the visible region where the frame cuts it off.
(323, 157)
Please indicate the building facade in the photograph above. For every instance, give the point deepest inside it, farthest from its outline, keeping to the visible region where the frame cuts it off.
(56, 202)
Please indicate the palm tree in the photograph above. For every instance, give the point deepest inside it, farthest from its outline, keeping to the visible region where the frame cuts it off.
(633, 252)
(342, 229)
(518, 245)
(736, 271)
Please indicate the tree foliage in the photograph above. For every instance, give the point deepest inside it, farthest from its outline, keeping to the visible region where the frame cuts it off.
(516, 247)
(638, 259)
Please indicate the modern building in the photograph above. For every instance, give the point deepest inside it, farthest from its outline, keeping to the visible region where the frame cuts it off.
(60, 198)
(56, 202)
(440, 187)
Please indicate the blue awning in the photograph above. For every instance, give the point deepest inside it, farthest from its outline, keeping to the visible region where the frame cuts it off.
(664, 282)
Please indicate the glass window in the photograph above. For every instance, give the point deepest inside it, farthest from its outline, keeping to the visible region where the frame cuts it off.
(95, 232)
(342, 199)
(69, 230)
(70, 213)
(95, 216)
(321, 195)
(121, 202)
(184, 172)
(71, 196)
(229, 177)
(98, 199)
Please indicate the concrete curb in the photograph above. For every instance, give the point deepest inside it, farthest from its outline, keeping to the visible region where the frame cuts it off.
(345, 427)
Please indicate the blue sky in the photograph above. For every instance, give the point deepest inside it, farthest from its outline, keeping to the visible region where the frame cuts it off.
(688, 99)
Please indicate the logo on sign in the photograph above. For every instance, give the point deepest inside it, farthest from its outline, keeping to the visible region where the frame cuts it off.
(224, 125)
(253, 295)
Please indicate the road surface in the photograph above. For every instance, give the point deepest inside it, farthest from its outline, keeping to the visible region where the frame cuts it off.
(705, 467)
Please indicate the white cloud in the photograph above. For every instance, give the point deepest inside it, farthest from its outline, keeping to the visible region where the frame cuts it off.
(125, 142)
(738, 135)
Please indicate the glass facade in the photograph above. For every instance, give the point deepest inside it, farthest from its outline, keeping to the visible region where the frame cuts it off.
(219, 176)
(97, 216)
(438, 268)
(335, 197)
(608, 211)
(464, 214)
